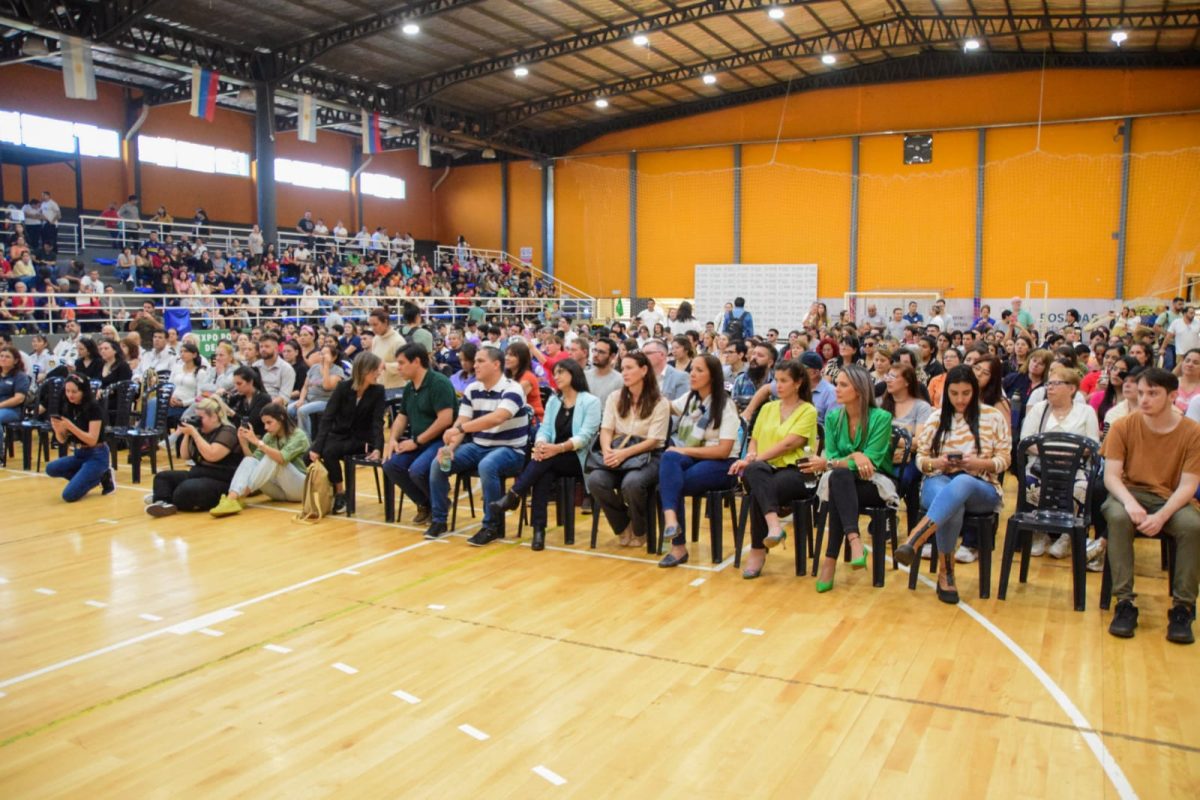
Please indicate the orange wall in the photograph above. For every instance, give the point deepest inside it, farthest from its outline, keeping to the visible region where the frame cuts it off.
(525, 209)
(591, 224)
(468, 204)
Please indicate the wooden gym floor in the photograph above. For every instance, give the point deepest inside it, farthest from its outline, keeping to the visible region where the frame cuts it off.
(256, 657)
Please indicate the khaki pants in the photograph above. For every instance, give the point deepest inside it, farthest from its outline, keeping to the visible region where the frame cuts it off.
(1184, 525)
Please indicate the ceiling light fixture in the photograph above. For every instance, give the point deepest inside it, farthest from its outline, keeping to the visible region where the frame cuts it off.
(411, 28)
(641, 40)
(521, 72)
(1118, 37)
(709, 79)
(829, 58)
(601, 103)
(775, 13)
(971, 45)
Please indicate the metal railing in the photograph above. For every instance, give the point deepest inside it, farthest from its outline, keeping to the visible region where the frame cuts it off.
(482, 256)
(50, 313)
(354, 244)
(103, 232)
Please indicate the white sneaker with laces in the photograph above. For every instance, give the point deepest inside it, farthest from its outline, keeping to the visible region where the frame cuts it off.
(965, 555)
(1096, 549)
(926, 551)
(1040, 542)
(1061, 547)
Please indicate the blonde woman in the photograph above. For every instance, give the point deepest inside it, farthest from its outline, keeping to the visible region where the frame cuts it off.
(213, 445)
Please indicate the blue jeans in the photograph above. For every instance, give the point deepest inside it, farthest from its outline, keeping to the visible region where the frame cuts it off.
(679, 475)
(83, 470)
(947, 498)
(492, 463)
(410, 471)
(303, 413)
(7, 415)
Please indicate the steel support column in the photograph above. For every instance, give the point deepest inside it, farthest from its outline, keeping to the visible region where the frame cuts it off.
(504, 206)
(633, 170)
(548, 217)
(264, 156)
(737, 204)
(1123, 219)
(980, 179)
(853, 283)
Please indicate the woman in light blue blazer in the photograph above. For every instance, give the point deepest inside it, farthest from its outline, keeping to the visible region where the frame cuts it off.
(570, 424)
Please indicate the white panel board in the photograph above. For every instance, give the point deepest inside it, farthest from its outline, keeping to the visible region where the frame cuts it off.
(778, 295)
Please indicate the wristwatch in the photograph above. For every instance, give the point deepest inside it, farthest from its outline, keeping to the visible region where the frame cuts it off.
(459, 427)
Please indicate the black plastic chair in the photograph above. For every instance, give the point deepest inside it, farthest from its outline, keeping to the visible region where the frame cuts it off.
(884, 520)
(564, 505)
(36, 419)
(1061, 457)
(384, 492)
(120, 412)
(147, 435)
(985, 525)
(462, 480)
(651, 523)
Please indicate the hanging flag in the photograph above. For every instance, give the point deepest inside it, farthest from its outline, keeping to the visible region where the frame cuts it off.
(79, 76)
(424, 156)
(206, 85)
(372, 137)
(620, 307)
(307, 126)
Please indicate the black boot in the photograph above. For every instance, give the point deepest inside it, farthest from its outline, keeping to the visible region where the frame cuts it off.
(339, 503)
(509, 502)
(906, 553)
(539, 539)
(946, 574)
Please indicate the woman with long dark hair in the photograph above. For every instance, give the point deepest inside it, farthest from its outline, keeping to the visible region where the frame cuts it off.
(990, 374)
(560, 449)
(81, 423)
(962, 452)
(682, 353)
(700, 452)
(784, 431)
(273, 464)
(14, 386)
(518, 366)
(685, 320)
(1112, 394)
(89, 364)
(635, 422)
(249, 399)
(113, 368)
(858, 458)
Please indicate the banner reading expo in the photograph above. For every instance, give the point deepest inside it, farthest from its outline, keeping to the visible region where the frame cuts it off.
(207, 341)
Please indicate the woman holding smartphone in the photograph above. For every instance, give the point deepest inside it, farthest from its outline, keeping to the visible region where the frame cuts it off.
(213, 445)
(961, 452)
(81, 424)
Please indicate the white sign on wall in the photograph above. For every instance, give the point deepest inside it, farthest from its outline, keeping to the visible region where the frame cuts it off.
(527, 254)
(778, 295)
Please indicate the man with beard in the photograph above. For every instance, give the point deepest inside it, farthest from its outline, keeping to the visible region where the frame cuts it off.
(759, 371)
(602, 379)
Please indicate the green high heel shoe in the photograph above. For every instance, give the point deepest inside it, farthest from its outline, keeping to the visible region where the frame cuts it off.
(824, 586)
(861, 561)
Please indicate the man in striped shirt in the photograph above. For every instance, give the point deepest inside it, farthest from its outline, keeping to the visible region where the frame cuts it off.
(491, 415)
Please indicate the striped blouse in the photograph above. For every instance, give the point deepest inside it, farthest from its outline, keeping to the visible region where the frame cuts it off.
(995, 442)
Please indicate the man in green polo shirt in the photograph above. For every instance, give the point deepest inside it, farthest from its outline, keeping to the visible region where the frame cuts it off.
(426, 411)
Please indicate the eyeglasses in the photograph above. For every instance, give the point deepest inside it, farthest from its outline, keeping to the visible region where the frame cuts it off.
(1055, 383)
(890, 377)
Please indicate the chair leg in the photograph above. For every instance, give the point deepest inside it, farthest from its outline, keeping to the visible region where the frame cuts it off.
(1079, 567)
(696, 518)
(470, 495)
(879, 533)
(988, 535)
(1106, 587)
(135, 458)
(153, 457)
(389, 498)
(595, 523)
(458, 479)
(716, 525)
(1026, 554)
(349, 468)
(818, 533)
(803, 511)
(378, 491)
(521, 518)
(568, 506)
(1011, 535)
(739, 533)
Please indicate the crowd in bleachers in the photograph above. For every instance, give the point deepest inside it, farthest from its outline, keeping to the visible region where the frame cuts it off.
(848, 415)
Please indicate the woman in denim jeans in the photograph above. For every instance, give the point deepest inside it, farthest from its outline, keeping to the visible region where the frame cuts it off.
(961, 452)
(81, 424)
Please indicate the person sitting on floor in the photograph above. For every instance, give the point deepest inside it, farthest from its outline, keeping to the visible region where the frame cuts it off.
(213, 445)
(273, 464)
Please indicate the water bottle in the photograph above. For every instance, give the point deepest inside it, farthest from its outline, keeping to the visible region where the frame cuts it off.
(445, 459)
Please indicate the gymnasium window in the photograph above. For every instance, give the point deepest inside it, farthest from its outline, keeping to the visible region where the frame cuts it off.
(195, 157)
(385, 186)
(58, 135)
(314, 176)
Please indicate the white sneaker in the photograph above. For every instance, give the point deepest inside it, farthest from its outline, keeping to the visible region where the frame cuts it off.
(927, 551)
(1061, 547)
(1096, 549)
(1040, 542)
(147, 499)
(966, 555)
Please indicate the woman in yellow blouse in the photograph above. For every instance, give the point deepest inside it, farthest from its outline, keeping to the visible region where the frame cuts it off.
(784, 428)
(961, 452)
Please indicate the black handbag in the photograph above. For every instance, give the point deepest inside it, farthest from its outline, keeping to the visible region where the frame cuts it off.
(595, 458)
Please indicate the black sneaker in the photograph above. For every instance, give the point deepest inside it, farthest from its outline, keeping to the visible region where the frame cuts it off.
(509, 502)
(484, 536)
(161, 509)
(436, 530)
(424, 515)
(1179, 624)
(1124, 620)
(107, 484)
(339, 503)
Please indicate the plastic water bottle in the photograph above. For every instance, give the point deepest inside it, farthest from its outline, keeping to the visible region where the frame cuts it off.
(445, 459)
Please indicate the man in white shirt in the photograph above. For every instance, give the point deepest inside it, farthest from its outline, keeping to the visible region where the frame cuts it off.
(650, 316)
(66, 348)
(92, 282)
(160, 357)
(872, 317)
(51, 215)
(564, 327)
(1184, 333)
(940, 318)
(32, 211)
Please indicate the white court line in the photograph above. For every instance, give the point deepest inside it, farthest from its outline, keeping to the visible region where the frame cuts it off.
(205, 621)
(436, 607)
(3, 581)
(753, 631)
(210, 632)
(150, 617)
(112, 648)
(95, 604)
(277, 648)
(696, 582)
(45, 591)
(2, 694)
(1090, 737)
(109, 521)
(550, 775)
(346, 668)
(406, 697)
(473, 732)
(351, 572)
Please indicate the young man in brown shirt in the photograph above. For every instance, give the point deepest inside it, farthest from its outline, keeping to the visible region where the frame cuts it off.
(1151, 471)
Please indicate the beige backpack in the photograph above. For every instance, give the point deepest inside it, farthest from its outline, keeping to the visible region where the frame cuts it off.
(318, 494)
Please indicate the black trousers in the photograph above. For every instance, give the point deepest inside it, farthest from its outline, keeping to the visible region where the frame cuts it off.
(540, 476)
(772, 490)
(337, 449)
(197, 489)
(847, 496)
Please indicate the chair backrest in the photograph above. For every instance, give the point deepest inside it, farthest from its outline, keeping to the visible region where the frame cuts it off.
(162, 393)
(123, 397)
(1061, 456)
(50, 396)
(902, 440)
